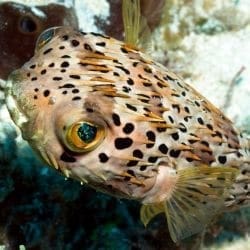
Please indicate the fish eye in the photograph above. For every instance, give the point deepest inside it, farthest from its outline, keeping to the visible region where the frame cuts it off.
(45, 37)
(84, 136)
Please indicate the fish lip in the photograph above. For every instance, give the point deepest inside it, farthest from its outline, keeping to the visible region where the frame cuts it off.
(15, 111)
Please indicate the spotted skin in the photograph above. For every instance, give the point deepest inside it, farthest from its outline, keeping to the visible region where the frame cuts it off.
(151, 117)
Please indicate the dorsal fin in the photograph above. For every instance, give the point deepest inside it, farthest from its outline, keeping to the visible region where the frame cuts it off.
(136, 29)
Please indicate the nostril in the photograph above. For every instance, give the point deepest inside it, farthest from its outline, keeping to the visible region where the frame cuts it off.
(27, 24)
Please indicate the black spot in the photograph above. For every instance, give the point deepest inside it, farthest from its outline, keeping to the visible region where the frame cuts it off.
(35, 97)
(116, 74)
(161, 129)
(67, 86)
(175, 136)
(33, 78)
(64, 92)
(124, 50)
(176, 95)
(65, 37)
(129, 106)
(67, 158)
(36, 89)
(177, 107)
(217, 133)
(75, 91)
(205, 143)
(116, 61)
(209, 126)
(51, 65)
(183, 93)
(151, 135)
(200, 120)
(126, 89)
(174, 153)
(123, 143)
(182, 128)
(75, 76)
(43, 71)
(163, 148)
(186, 109)
(159, 84)
(28, 74)
(99, 35)
(147, 84)
(222, 159)
(192, 141)
(130, 81)
(132, 163)
(74, 43)
(46, 93)
(149, 145)
(102, 44)
(137, 153)
(178, 83)
(90, 110)
(148, 70)
(152, 159)
(171, 119)
(168, 77)
(62, 47)
(76, 98)
(65, 64)
(123, 69)
(116, 119)
(103, 157)
(57, 78)
(65, 56)
(87, 47)
(128, 128)
(186, 118)
(32, 66)
(47, 51)
(135, 64)
(143, 167)
(197, 103)
(131, 172)
(244, 171)
(188, 159)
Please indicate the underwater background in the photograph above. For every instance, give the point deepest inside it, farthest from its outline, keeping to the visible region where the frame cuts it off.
(206, 42)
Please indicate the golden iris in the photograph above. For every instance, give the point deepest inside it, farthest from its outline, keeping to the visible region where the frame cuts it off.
(84, 136)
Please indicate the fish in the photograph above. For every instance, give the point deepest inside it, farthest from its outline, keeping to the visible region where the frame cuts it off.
(103, 112)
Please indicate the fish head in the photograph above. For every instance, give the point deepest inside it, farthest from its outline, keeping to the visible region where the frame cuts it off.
(73, 110)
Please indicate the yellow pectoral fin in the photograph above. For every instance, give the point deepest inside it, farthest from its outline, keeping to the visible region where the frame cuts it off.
(197, 197)
(148, 212)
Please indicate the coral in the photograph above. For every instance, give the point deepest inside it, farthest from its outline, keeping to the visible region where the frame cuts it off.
(20, 26)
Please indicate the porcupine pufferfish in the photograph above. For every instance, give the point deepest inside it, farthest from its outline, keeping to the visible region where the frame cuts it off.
(103, 112)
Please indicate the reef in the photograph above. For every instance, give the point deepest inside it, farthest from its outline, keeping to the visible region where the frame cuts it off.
(20, 25)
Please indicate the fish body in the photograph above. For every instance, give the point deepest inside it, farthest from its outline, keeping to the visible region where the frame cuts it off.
(104, 113)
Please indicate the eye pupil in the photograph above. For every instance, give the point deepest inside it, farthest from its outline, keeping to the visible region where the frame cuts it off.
(87, 133)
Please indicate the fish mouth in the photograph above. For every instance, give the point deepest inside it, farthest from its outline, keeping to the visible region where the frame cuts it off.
(14, 109)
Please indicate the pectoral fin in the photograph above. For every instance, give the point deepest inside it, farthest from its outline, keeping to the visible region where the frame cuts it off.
(148, 212)
(197, 197)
